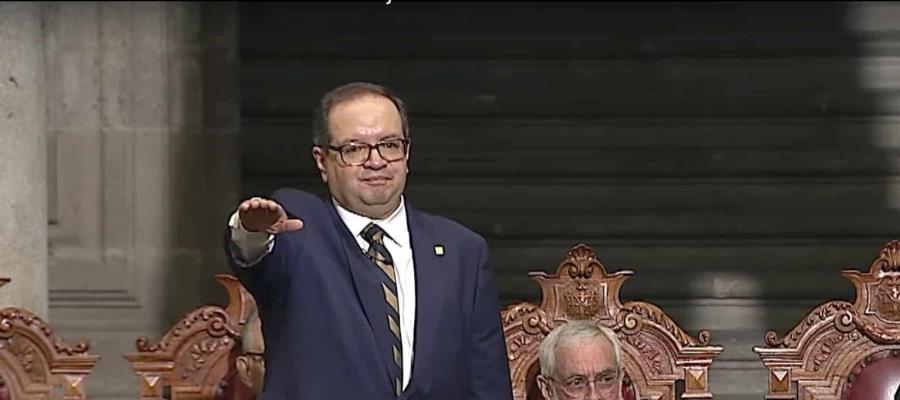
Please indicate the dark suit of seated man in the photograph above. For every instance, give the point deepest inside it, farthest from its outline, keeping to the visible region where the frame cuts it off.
(581, 360)
(361, 295)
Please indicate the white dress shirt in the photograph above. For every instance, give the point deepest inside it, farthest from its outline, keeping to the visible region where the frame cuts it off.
(255, 245)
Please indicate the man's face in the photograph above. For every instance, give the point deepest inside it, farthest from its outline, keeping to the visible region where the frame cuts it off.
(585, 371)
(251, 367)
(374, 188)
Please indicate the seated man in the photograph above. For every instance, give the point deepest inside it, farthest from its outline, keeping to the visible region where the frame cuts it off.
(580, 360)
(250, 364)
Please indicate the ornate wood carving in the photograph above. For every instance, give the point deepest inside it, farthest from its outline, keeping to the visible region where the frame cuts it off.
(821, 350)
(34, 362)
(193, 357)
(656, 351)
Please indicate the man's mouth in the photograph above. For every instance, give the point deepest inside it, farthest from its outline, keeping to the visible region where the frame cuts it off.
(376, 180)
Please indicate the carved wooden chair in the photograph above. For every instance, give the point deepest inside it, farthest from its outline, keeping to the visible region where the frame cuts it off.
(35, 363)
(656, 352)
(843, 350)
(195, 358)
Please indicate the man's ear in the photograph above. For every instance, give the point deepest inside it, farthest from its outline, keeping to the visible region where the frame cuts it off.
(319, 156)
(408, 152)
(544, 386)
(243, 370)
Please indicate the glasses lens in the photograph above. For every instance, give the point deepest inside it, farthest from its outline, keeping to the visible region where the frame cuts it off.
(392, 150)
(354, 153)
(580, 387)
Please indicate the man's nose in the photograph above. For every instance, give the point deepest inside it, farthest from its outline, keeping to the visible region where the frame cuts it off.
(375, 160)
(594, 392)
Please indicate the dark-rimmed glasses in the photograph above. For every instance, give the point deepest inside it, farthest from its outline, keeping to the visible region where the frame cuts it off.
(355, 154)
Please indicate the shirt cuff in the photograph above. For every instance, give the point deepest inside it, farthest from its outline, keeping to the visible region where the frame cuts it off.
(246, 245)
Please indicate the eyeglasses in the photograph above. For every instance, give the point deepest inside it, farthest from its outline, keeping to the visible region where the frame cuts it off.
(255, 355)
(577, 386)
(355, 154)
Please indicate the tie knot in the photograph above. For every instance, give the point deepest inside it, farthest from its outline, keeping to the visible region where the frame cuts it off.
(373, 233)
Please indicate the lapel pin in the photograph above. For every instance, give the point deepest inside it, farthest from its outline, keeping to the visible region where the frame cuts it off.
(438, 250)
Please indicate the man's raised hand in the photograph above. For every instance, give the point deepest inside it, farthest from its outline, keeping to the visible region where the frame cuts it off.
(258, 214)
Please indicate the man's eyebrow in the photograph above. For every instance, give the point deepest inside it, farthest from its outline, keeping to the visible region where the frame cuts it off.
(346, 141)
(354, 140)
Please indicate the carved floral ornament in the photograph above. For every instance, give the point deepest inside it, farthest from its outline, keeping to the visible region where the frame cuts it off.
(581, 263)
(888, 261)
(206, 321)
(203, 354)
(209, 320)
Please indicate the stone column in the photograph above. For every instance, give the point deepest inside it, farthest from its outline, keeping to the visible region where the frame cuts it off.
(23, 158)
(143, 109)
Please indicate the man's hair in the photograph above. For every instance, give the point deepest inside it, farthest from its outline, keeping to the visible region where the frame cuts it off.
(347, 92)
(248, 329)
(573, 334)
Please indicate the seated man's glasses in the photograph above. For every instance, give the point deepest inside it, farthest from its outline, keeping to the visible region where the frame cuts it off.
(577, 386)
(355, 154)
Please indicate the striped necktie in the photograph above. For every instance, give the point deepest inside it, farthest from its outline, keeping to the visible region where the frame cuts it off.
(382, 258)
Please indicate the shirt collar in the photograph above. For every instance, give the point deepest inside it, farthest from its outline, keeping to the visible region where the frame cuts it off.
(394, 224)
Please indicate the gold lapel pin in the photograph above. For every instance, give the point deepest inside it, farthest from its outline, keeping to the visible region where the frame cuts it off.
(438, 250)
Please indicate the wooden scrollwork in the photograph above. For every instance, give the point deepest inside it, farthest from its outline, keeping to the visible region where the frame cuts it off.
(192, 358)
(822, 349)
(35, 362)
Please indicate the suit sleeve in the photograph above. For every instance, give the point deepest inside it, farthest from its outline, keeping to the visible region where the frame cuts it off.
(489, 373)
(266, 277)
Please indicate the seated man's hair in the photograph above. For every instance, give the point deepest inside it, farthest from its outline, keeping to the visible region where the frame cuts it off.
(573, 334)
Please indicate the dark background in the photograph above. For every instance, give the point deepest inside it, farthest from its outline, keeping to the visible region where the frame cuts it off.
(735, 155)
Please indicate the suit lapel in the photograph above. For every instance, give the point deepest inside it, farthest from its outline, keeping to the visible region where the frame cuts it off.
(368, 289)
(429, 287)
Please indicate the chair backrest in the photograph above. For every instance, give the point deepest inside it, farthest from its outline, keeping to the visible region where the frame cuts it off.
(35, 363)
(843, 350)
(876, 377)
(194, 359)
(656, 352)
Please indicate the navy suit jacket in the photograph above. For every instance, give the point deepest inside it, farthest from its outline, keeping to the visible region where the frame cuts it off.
(323, 312)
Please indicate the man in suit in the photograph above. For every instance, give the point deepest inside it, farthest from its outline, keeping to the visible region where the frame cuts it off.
(581, 360)
(361, 295)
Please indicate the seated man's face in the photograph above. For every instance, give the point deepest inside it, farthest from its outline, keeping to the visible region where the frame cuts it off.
(585, 371)
(251, 367)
